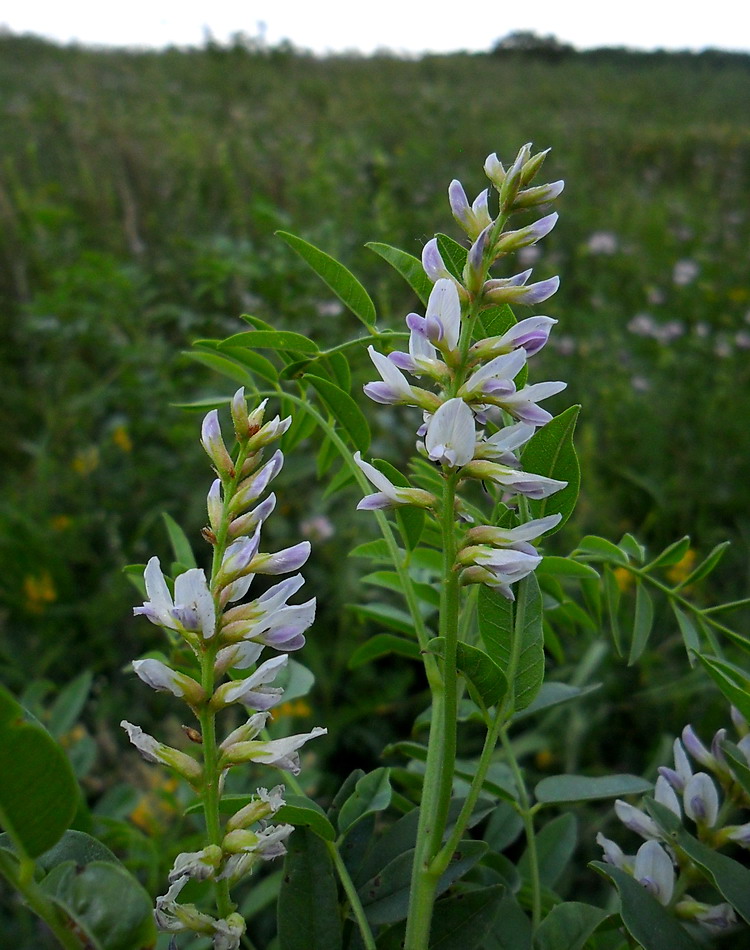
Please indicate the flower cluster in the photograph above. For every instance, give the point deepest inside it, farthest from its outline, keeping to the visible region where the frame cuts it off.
(476, 414)
(659, 864)
(226, 638)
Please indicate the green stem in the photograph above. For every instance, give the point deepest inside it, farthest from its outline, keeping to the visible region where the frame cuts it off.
(441, 748)
(442, 859)
(352, 896)
(37, 901)
(527, 812)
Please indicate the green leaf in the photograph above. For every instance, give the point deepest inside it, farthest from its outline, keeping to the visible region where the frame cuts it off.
(557, 789)
(728, 876)
(383, 644)
(553, 694)
(38, 793)
(302, 811)
(220, 364)
(568, 926)
(644, 917)
(555, 845)
(550, 452)
(389, 616)
(733, 681)
(106, 902)
(295, 679)
(497, 320)
(344, 409)
(373, 550)
(68, 706)
(632, 548)
(390, 580)
(183, 551)
(385, 897)
(407, 265)
(269, 340)
(453, 254)
(642, 624)
(479, 669)
(308, 911)
(671, 554)
(737, 763)
(515, 933)
(257, 364)
(495, 615)
(601, 550)
(464, 920)
(612, 594)
(690, 635)
(340, 280)
(705, 567)
(371, 793)
(342, 374)
(78, 847)
(566, 567)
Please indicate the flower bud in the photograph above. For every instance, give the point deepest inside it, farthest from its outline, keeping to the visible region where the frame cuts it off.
(154, 751)
(213, 444)
(653, 869)
(163, 678)
(701, 800)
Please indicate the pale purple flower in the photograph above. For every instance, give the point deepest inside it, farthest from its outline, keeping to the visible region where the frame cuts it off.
(451, 435)
(394, 389)
(515, 290)
(154, 751)
(513, 240)
(282, 562)
(701, 800)
(653, 869)
(531, 334)
(499, 446)
(473, 218)
(523, 483)
(696, 749)
(251, 488)
(389, 495)
(443, 316)
(242, 746)
(213, 444)
(238, 558)
(522, 404)
(192, 608)
(614, 855)
(498, 568)
(247, 523)
(253, 691)
(717, 918)
(636, 820)
(665, 794)
(199, 865)
(495, 378)
(508, 537)
(163, 678)
(263, 805)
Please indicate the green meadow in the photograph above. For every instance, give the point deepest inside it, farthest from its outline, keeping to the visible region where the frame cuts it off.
(140, 193)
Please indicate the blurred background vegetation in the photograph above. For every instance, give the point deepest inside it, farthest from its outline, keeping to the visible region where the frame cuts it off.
(139, 195)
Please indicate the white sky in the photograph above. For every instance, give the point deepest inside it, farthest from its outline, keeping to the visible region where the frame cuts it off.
(410, 26)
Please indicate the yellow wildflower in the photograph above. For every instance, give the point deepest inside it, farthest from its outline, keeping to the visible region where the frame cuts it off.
(85, 461)
(624, 578)
(679, 571)
(121, 438)
(39, 590)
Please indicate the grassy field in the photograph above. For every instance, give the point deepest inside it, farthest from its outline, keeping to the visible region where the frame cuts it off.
(139, 195)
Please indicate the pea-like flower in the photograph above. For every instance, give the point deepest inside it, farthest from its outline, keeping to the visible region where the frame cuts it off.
(192, 608)
(451, 434)
(389, 495)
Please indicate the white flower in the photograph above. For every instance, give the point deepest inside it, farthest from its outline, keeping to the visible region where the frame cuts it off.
(390, 495)
(654, 870)
(253, 691)
(451, 434)
(192, 608)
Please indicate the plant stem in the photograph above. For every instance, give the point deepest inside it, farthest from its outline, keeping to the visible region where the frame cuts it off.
(526, 811)
(353, 897)
(441, 749)
(23, 881)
